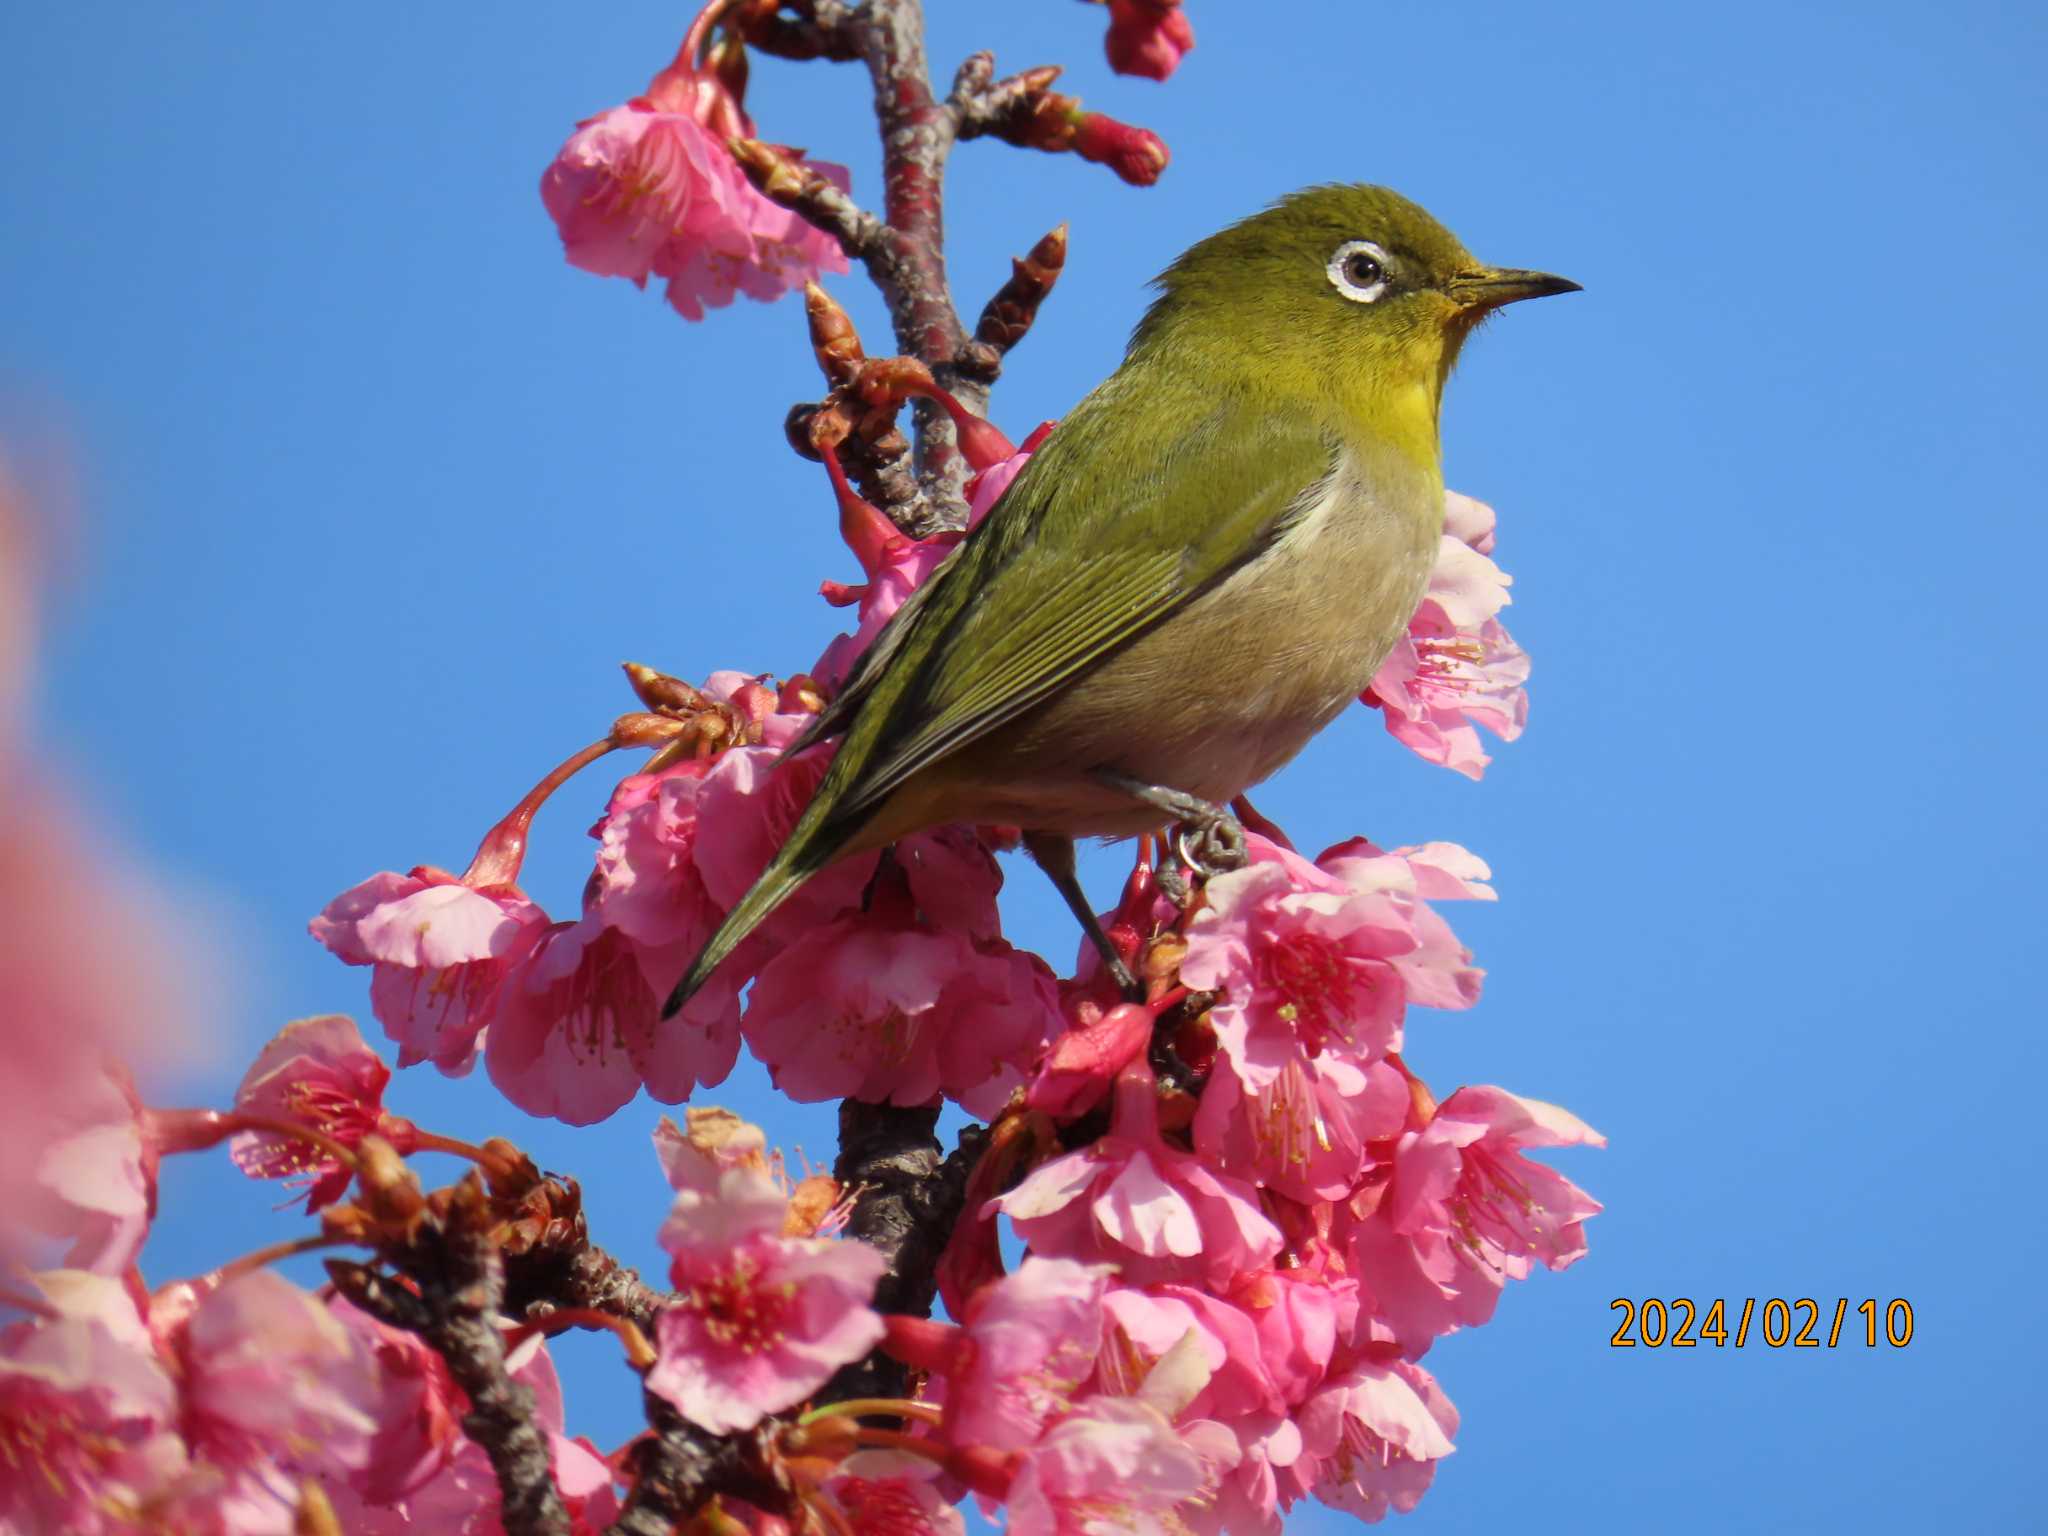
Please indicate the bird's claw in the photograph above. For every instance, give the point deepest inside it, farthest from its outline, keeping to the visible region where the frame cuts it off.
(1209, 840)
(1211, 846)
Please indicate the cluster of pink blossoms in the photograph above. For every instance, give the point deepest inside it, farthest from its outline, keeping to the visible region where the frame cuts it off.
(1244, 1218)
(212, 1405)
(1257, 1220)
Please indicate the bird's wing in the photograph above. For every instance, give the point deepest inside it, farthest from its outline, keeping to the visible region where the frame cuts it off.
(1095, 542)
(872, 663)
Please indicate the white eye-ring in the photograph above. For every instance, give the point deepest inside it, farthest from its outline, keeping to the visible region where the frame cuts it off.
(1358, 270)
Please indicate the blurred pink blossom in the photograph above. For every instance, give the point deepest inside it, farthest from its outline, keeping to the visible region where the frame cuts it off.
(1147, 37)
(88, 1412)
(424, 1473)
(891, 1493)
(268, 1376)
(93, 1176)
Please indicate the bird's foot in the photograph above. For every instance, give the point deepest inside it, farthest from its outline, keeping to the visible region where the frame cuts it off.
(1173, 883)
(1209, 839)
(1055, 855)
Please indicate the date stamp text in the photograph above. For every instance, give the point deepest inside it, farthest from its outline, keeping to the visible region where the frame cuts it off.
(1776, 1321)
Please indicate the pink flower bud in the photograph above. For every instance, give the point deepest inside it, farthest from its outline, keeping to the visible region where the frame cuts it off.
(1137, 155)
(1147, 37)
(923, 1343)
(1077, 1071)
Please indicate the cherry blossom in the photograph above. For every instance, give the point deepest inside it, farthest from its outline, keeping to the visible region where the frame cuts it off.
(1463, 1212)
(93, 1178)
(318, 1072)
(424, 1473)
(650, 189)
(1438, 972)
(760, 1320)
(416, 1407)
(1077, 1072)
(1025, 1347)
(1134, 1200)
(987, 487)
(1113, 1467)
(889, 1493)
(1308, 1132)
(441, 951)
(648, 883)
(851, 1011)
(1149, 1323)
(1457, 667)
(1376, 1434)
(269, 1378)
(579, 1031)
(900, 566)
(1305, 963)
(87, 1411)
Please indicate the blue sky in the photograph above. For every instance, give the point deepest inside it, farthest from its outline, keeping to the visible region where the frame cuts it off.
(380, 492)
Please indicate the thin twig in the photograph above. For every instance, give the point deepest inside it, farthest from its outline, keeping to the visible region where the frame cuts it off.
(1002, 107)
(820, 30)
(917, 136)
(786, 180)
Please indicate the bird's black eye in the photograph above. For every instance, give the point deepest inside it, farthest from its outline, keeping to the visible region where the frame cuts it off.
(1358, 270)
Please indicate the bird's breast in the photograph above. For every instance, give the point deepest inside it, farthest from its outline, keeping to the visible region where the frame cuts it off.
(1230, 687)
(1299, 632)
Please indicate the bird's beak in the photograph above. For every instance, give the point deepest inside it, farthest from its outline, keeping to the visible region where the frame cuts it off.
(1491, 287)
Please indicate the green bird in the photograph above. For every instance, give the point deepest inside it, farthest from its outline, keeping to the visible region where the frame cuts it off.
(1205, 562)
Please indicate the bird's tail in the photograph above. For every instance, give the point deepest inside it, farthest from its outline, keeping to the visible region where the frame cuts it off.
(778, 882)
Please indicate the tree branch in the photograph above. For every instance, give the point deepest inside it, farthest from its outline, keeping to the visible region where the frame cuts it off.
(917, 136)
(677, 1466)
(783, 179)
(907, 1205)
(461, 1288)
(539, 1284)
(1002, 106)
(820, 29)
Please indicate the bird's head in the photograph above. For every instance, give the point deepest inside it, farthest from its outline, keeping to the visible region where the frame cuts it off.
(1349, 290)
